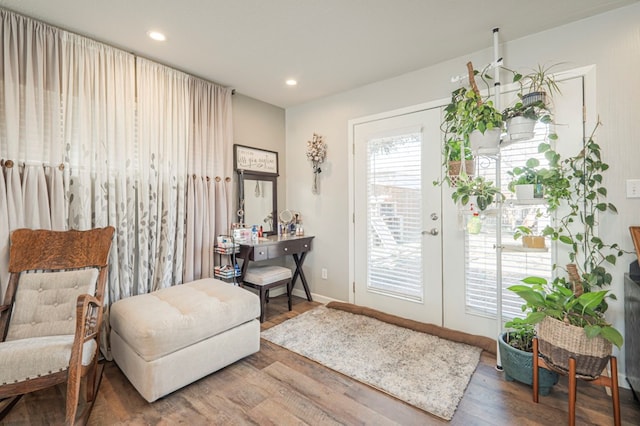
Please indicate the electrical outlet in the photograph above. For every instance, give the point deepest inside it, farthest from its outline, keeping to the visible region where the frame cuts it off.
(633, 188)
(323, 271)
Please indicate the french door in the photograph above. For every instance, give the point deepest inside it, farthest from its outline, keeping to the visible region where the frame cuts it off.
(411, 255)
(397, 245)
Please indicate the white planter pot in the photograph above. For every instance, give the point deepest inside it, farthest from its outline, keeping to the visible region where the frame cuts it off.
(524, 192)
(520, 128)
(487, 143)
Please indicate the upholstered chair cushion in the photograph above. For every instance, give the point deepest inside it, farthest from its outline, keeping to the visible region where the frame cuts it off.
(38, 356)
(45, 303)
(267, 274)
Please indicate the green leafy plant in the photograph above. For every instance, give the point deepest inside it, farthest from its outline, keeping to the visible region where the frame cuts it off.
(453, 150)
(529, 174)
(536, 111)
(554, 300)
(466, 112)
(539, 79)
(522, 231)
(577, 183)
(484, 190)
(520, 334)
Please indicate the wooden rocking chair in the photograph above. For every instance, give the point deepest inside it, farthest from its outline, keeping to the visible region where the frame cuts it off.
(52, 312)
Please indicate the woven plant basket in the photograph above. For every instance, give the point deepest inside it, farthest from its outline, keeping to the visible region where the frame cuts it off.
(558, 341)
(454, 169)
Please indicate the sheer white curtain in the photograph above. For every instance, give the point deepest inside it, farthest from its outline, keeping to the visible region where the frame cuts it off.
(112, 138)
(98, 126)
(32, 182)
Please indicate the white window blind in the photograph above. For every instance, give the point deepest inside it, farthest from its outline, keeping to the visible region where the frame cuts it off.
(480, 252)
(394, 215)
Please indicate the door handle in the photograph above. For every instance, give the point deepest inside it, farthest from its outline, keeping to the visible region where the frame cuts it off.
(432, 231)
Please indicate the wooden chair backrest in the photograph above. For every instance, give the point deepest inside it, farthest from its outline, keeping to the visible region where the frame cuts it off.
(52, 251)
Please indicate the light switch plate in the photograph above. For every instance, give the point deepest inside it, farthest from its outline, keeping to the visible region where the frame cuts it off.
(633, 188)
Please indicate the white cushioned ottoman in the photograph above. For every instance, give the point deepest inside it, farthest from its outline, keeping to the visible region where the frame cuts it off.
(167, 339)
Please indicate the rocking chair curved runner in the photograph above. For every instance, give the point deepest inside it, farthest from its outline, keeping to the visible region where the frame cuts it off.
(51, 317)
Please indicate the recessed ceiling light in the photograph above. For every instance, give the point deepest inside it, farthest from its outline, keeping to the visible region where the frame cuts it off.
(291, 82)
(156, 35)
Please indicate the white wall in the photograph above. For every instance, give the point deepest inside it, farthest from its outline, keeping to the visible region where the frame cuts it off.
(610, 41)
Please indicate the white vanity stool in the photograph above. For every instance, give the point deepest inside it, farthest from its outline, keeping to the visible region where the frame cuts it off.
(263, 278)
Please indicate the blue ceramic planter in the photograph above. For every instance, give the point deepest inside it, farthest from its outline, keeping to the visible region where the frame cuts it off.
(518, 365)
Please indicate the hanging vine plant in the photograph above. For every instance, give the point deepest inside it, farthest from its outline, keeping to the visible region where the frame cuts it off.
(578, 185)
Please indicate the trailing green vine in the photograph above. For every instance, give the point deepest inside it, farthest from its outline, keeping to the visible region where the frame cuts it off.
(576, 183)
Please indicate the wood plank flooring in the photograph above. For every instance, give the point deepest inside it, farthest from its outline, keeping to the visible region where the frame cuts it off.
(278, 387)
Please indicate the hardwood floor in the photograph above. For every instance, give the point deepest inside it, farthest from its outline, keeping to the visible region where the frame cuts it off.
(278, 387)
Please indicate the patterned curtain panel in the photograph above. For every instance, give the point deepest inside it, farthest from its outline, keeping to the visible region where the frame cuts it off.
(163, 106)
(130, 135)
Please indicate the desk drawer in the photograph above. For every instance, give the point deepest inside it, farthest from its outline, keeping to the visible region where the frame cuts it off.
(283, 248)
(305, 245)
(260, 253)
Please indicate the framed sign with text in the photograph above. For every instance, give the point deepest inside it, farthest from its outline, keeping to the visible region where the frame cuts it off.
(255, 160)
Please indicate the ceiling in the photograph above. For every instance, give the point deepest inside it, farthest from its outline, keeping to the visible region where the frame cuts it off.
(329, 46)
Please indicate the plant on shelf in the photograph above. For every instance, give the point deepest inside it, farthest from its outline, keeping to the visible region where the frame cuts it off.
(536, 85)
(520, 120)
(536, 112)
(532, 104)
(531, 175)
(468, 113)
(484, 191)
(529, 238)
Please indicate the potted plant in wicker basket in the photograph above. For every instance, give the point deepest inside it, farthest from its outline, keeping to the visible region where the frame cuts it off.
(569, 325)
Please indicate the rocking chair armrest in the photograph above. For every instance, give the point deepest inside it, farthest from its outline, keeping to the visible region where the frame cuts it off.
(5, 312)
(88, 317)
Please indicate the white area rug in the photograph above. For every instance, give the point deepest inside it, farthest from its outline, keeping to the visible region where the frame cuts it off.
(423, 370)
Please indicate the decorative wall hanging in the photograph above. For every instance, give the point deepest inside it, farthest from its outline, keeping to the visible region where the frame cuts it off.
(316, 153)
(255, 160)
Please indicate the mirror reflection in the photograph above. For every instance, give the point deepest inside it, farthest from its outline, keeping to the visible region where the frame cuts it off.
(257, 201)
